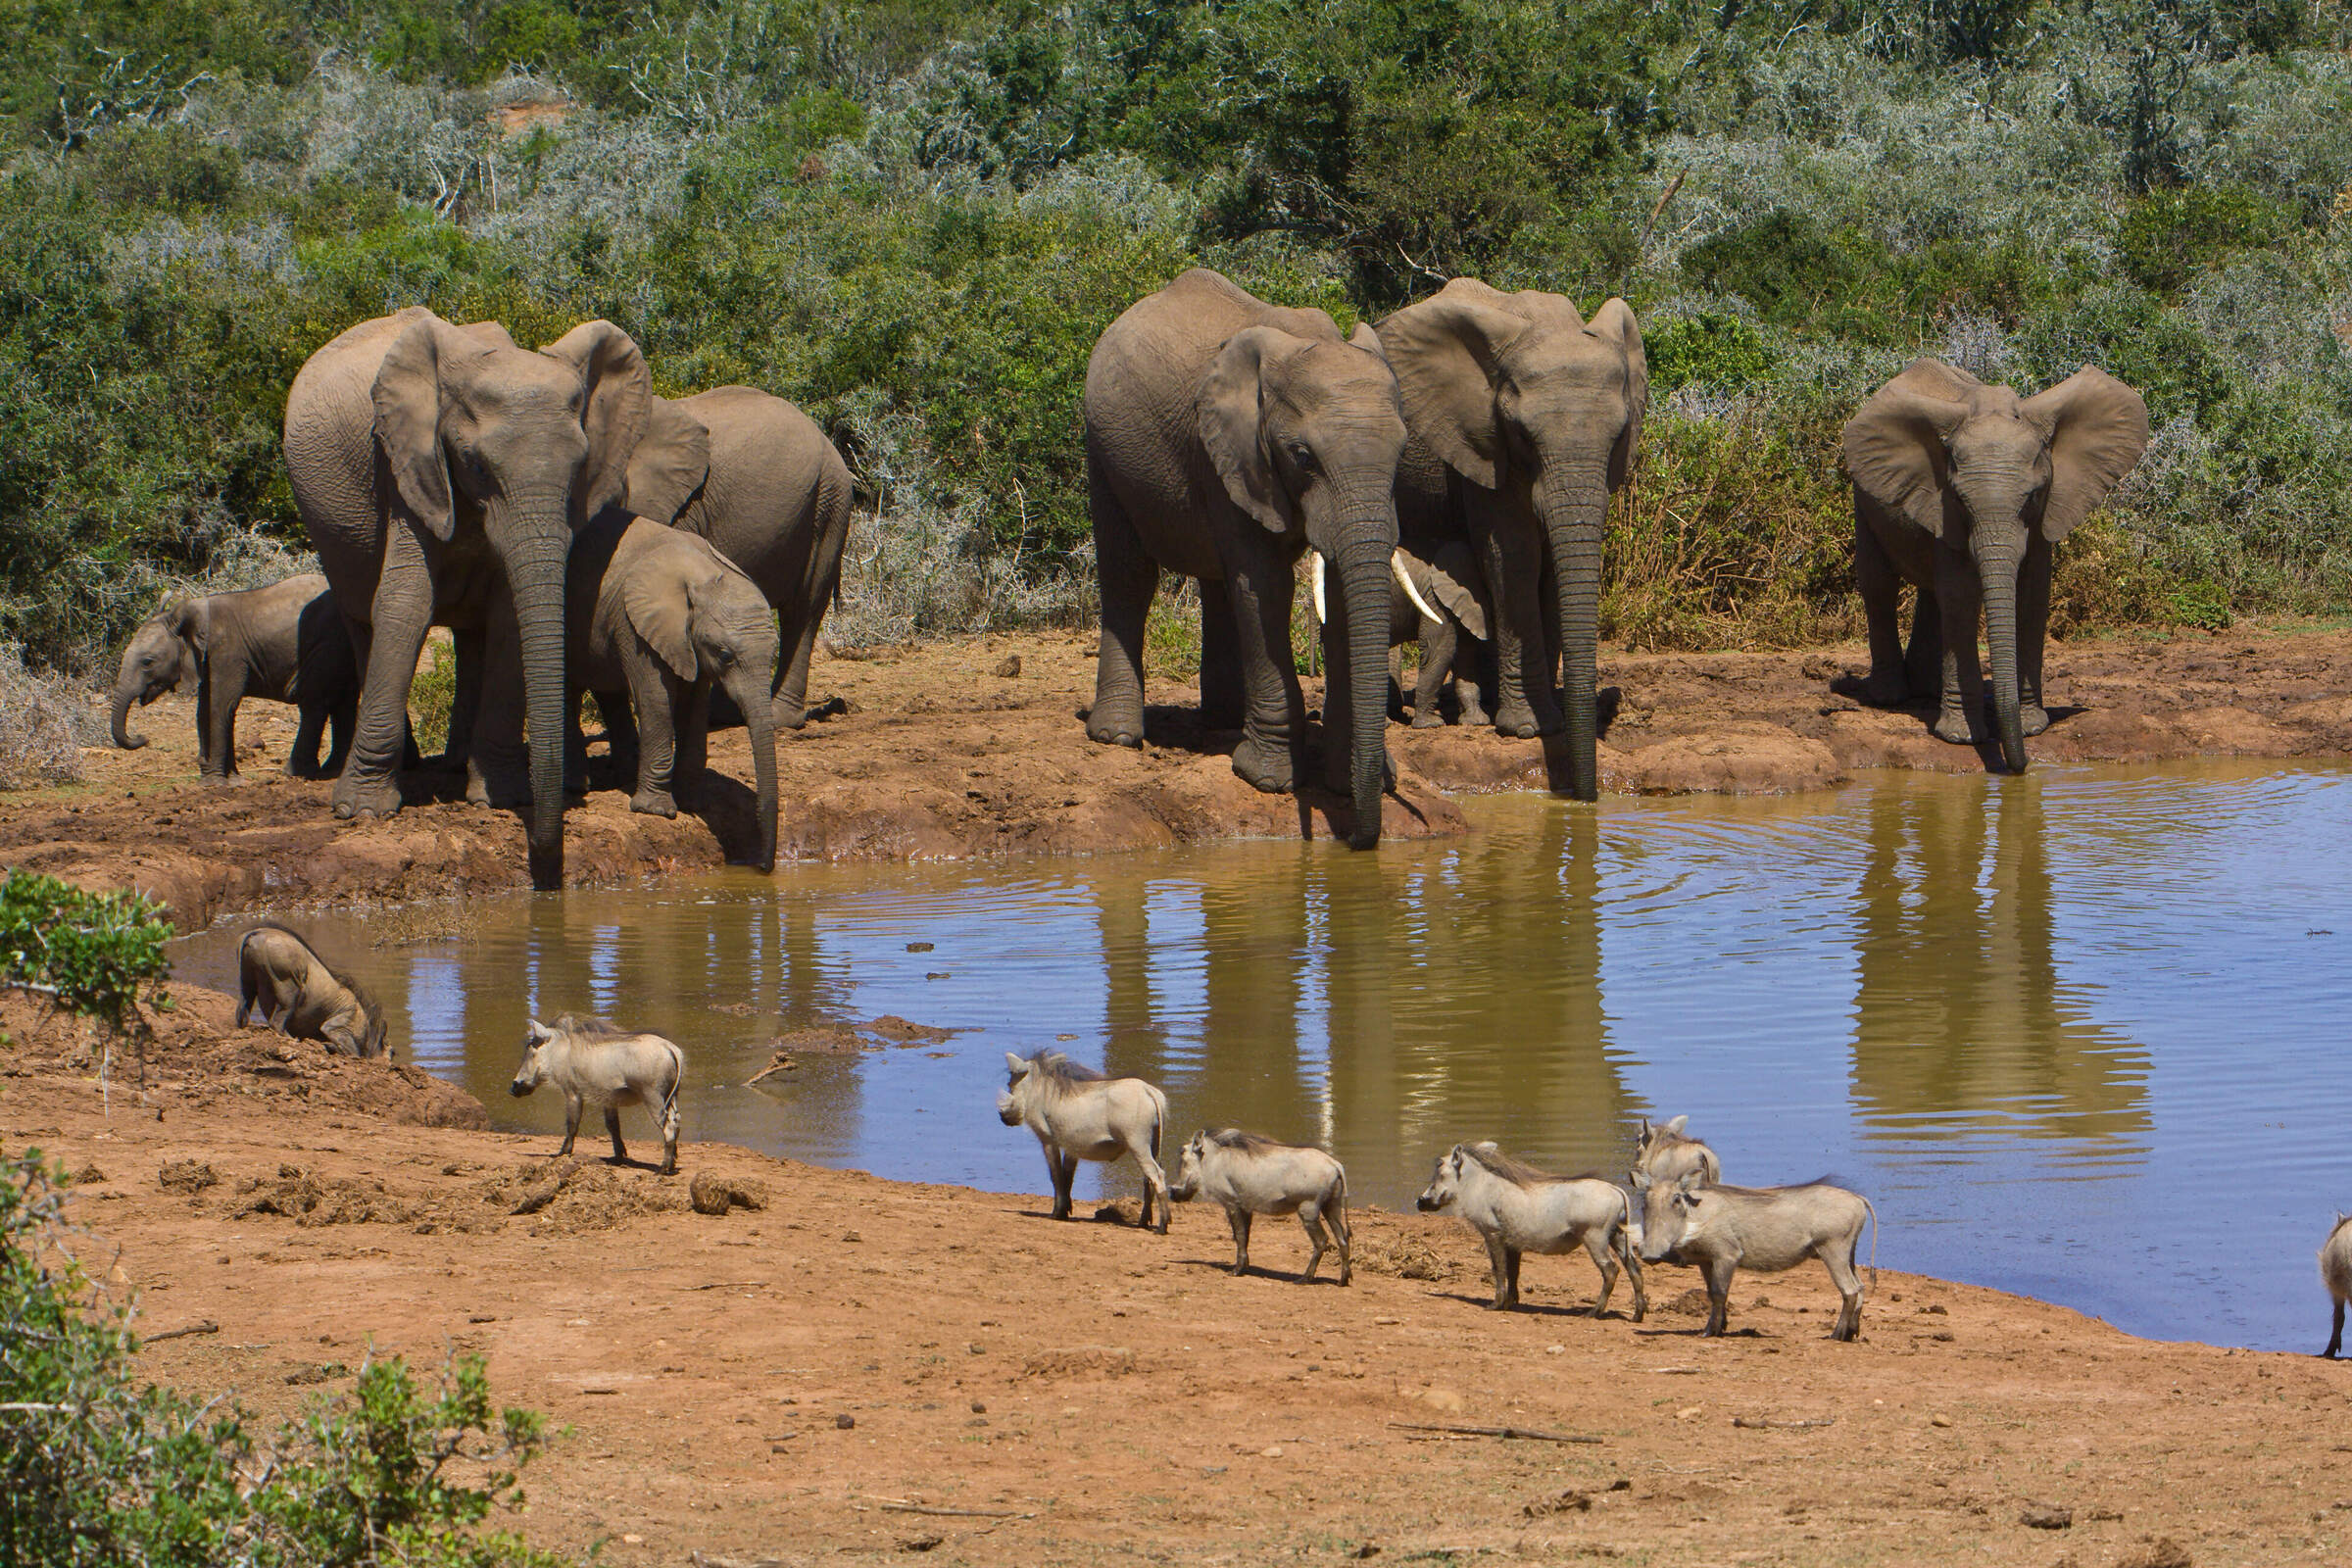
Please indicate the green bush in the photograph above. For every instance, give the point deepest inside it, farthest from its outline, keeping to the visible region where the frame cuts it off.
(2169, 236)
(1711, 349)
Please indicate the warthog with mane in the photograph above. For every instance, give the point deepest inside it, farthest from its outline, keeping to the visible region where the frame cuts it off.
(1249, 1175)
(1664, 1153)
(595, 1062)
(1077, 1113)
(2335, 1272)
(299, 994)
(1516, 1208)
(1718, 1230)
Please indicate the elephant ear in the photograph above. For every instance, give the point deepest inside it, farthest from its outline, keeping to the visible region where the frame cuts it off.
(1227, 414)
(1446, 351)
(1895, 443)
(1454, 581)
(1363, 337)
(659, 606)
(670, 463)
(490, 334)
(2096, 427)
(408, 419)
(190, 623)
(1614, 324)
(615, 411)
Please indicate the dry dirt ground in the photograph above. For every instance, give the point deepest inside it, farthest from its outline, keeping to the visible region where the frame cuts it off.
(863, 1370)
(973, 745)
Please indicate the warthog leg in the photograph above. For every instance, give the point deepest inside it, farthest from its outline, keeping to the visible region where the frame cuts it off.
(1633, 1274)
(1310, 1217)
(1337, 1219)
(1510, 1263)
(1240, 1219)
(571, 1124)
(2335, 1341)
(1597, 1245)
(1841, 1266)
(620, 1151)
(1496, 1261)
(1719, 1272)
(1156, 1187)
(1064, 1170)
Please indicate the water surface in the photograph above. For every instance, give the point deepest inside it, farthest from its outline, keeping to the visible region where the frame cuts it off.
(2071, 1032)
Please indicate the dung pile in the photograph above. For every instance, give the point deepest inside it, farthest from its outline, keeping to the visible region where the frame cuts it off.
(574, 1194)
(307, 1198)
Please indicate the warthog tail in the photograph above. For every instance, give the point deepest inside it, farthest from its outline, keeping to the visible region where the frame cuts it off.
(1873, 1241)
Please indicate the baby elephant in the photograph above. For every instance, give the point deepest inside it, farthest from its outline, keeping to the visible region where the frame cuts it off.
(1718, 1229)
(1078, 1114)
(594, 1062)
(1249, 1175)
(1518, 1209)
(2335, 1272)
(300, 995)
(661, 616)
(284, 644)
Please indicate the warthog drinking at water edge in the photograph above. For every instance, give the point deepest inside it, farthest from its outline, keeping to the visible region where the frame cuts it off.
(1249, 1175)
(2335, 1272)
(1078, 1114)
(597, 1063)
(1517, 1209)
(1719, 1229)
(301, 995)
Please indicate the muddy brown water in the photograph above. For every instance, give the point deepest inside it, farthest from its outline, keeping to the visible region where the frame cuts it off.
(2077, 1034)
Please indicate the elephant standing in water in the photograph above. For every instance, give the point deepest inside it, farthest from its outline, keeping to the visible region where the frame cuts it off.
(1536, 413)
(1223, 438)
(433, 464)
(1961, 490)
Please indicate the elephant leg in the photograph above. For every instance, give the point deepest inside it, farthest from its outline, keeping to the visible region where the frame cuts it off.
(227, 680)
(1512, 560)
(302, 757)
(621, 731)
(2032, 627)
(693, 765)
(466, 647)
(1127, 577)
(1923, 661)
(1882, 590)
(575, 744)
(799, 637)
(1438, 653)
(401, 610)
(1960, 717)
(208, 762)
(1222, 696)
(342, 719)
(1262, 585)
(651, 693)
(497, 760)
(1395, 699)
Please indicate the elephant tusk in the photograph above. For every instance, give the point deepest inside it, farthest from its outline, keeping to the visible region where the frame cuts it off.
(1315, 582)
(1405, 580)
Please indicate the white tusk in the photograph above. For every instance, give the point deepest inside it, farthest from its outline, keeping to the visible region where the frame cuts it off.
(1405, 580)
(1315, 579)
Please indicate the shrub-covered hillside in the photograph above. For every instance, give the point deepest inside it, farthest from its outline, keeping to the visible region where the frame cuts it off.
(913, 217)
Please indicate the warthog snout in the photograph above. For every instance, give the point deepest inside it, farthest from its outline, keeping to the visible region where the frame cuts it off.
(1428, 1204)
(1006, 1111)
(519, 1089)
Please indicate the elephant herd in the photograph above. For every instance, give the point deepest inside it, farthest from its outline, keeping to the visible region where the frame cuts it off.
(1450, 468)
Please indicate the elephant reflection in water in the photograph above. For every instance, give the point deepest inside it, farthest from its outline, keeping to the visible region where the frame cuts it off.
(1959, 1011)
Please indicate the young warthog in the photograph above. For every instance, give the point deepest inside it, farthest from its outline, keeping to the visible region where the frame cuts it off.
(300, 995)
(1249, 1175)
(1718, 1229)
(1665, 1155)
(596, 1064)
(1078, 1114)
(1517, 1209)
(2335, 1272)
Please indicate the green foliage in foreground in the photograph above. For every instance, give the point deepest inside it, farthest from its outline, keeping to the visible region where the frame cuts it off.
(97, 955)
(98, 1469)
(915, 217)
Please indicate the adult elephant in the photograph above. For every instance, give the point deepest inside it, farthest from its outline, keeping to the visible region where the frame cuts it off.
(430, 462)
(1223, 438)
(1536, 413)
(1961, 489)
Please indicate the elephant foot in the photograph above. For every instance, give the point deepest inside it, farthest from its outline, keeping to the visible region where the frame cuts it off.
(213, 780)
(2033, 718)
(654, 803)
(1428, 720)
(1115, 729)
(1516, 720)
(1476, 718)
(1885, 689)
(1264, 766)
(1954, 727)
(357, 795)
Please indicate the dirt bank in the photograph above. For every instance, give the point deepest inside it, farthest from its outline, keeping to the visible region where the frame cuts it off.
(970, 747)
(787, 1383)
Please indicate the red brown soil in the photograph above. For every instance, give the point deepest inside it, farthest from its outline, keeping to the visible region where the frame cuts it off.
(786, 1383)
(938, 756)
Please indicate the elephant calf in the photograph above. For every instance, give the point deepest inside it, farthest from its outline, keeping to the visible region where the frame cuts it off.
(300, 995)
(1437, 599)
(661, 616)
(285, 643)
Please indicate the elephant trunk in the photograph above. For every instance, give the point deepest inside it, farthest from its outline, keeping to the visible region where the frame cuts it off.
(1365, 574)
(535, 577)
(759, 717)
(1997, 569)
(124, 695)
(1573, 506)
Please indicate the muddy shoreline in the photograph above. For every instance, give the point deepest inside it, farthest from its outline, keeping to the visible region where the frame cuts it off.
(804, 1380)
(972, 747)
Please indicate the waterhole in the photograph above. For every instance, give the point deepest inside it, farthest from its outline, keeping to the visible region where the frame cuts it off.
(2076, 1033)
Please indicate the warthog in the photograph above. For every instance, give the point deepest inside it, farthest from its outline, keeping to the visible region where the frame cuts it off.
(1078, 1114)
(1665, 1155)
(1718, 1229)
(1516, 1208)
(594, 1062)
(301, 995)
(1249, 1175)
(2335, 1272)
